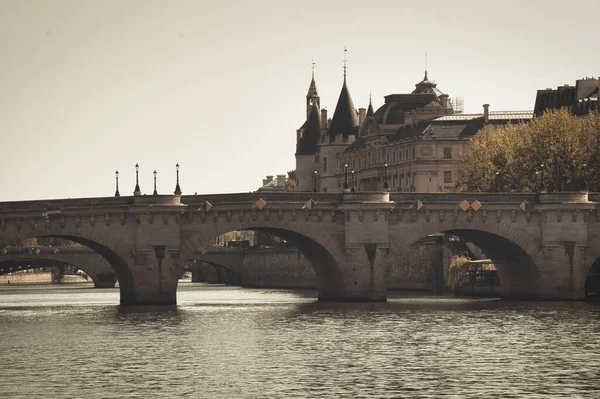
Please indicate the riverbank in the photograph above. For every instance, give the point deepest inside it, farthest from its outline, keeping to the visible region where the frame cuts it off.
(42, 278)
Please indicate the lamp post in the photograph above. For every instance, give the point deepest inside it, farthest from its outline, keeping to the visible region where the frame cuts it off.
(136, 190)
(117, 194)
(346, 187)
(177, 188)
(386, 186)
(352, 189)
(155, 192)
(315, 174)
(543, 184)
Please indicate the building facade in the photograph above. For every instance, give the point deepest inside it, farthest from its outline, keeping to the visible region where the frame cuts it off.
(409, 144)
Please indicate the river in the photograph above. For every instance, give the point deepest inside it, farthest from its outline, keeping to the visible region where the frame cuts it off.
(228, 342)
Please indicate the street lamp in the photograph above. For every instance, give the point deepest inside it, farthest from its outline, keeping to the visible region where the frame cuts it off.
(386, 186)
(155, 192)
(136, 190)
(177, 188)
(315, 189)
(352, 181)
(117, 194)
(346, 187)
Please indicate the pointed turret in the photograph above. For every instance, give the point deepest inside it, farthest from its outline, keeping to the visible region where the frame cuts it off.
(344, 119)
(310, 135)
(312, 97)
(370, 109)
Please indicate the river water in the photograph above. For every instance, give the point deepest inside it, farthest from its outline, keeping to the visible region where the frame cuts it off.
(229, 342)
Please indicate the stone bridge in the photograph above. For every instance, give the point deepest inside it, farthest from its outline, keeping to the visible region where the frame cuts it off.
(543, 245)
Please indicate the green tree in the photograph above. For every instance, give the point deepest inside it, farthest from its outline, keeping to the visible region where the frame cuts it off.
(561, 147)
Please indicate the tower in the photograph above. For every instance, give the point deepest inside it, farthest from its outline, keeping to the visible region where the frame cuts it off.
(341, 133)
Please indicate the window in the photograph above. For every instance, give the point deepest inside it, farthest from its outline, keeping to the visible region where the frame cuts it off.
(447, 152)
(324, 164)
(414, 153)
(447, 177)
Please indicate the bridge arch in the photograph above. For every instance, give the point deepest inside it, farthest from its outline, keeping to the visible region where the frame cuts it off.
(102, 277)
(322, 249)
(513, 251)
(225, 274)
(102, 243)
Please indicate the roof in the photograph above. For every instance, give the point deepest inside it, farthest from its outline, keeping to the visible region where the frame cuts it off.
(454, 127)
(370, 109)
(310, 135)
(493, 115)
(312, 89)
(427, 86)
(392, 112)
(345, 120)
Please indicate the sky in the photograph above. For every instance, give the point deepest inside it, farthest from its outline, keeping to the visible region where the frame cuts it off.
(90, 87)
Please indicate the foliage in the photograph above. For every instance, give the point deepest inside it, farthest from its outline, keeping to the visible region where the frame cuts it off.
(509, 158)
(458, 270)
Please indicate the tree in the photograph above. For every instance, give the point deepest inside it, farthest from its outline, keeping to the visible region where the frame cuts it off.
(557, 151)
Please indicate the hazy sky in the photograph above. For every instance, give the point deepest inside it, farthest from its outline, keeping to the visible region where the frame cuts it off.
(88, 87)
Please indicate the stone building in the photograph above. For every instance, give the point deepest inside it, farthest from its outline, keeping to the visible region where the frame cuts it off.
(579, 99)
(410, 144)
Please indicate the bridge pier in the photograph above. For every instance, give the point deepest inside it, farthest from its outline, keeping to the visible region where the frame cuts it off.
(153, 279)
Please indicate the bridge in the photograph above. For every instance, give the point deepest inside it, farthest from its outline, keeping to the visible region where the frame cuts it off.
(542, 244)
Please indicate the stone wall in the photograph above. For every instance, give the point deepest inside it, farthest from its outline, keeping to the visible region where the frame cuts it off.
(278, 268)
(288, 268)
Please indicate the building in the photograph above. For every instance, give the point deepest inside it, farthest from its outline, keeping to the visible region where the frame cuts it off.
(579, 99)
(410, 144)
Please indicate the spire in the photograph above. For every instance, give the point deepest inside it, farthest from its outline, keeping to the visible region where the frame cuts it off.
(345, 63)
(310, 135)
(312, 97)
(370, 109)
(425, 66)
(344, 119)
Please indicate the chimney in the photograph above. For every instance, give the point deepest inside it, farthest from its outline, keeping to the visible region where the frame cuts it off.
(265, 182)
(269, 179)
(280, 181)
(362, 115)
(324, 118)
(486, 113)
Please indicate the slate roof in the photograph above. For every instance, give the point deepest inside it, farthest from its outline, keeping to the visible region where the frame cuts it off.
(310, 136)
(392, 112)
(458, 126)
(345, 120)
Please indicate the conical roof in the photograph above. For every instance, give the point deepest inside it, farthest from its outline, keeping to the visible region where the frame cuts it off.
(344, 119)
(370, 109)
(310, 135)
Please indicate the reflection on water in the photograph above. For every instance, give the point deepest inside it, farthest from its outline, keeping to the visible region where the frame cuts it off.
(232, 342)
